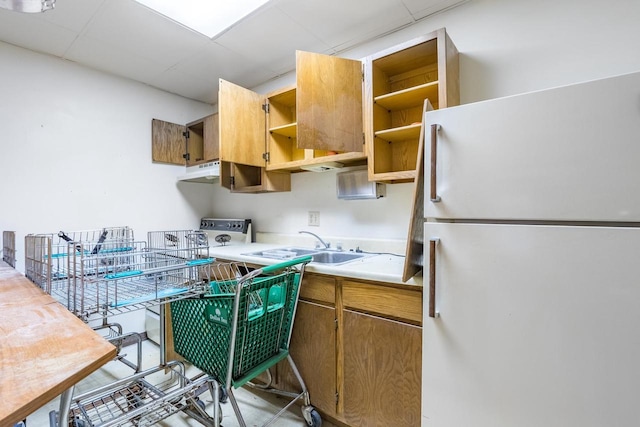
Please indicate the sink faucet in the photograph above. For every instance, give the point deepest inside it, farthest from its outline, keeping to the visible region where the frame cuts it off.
(326, 245)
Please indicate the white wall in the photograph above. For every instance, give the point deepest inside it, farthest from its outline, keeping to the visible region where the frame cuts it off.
(75, 151)
(75, 148)
(506, 47)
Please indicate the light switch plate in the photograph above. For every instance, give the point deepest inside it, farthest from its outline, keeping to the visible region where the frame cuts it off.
(314, 218)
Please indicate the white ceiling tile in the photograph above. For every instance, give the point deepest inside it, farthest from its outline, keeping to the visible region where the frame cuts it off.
(422, 8)
(104, 56)
(214, 61)
(30, 32)
(72, 14)
(127, 25)
(271, 38)
(342, 24)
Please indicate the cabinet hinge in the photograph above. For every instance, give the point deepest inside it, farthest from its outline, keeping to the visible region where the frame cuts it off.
(363, 139)
(337, 397)
(362, 71)
(186, 156)
(265, 108)
(266, 156)
(336, 322)
(232, 181)
(186, 134)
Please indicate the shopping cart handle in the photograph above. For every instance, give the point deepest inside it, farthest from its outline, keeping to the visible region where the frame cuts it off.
(289, 263)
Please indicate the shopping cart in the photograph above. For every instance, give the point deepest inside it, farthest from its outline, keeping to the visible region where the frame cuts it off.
(242, 328)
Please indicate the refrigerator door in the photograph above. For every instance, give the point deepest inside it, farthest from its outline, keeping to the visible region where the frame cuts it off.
(569, 153)
(538, 326)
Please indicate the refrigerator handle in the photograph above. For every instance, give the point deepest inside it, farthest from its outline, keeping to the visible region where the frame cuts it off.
(432, 278)
(433, 196)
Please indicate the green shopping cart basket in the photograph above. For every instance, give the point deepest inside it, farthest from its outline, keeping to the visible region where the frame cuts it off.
(242, 328)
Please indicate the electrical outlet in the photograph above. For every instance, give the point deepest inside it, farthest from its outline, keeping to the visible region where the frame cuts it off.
(314, 218)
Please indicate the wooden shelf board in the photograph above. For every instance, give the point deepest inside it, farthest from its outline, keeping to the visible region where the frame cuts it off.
(289, 130)
(400, 134)
(409, 97)
(391, 177)
(297, 164)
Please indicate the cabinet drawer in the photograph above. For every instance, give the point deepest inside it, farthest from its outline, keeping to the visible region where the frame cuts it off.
(396, 303)
(318, 288)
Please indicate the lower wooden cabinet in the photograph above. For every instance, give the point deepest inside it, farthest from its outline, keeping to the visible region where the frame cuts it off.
(360, 354)
(382, 371)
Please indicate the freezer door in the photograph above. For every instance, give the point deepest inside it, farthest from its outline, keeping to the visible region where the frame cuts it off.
(537, 326)
(569, 153)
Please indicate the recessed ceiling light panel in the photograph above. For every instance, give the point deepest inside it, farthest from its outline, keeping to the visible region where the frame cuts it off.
(206, 17)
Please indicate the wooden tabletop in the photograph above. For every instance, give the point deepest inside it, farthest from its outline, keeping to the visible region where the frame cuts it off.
(44, 349)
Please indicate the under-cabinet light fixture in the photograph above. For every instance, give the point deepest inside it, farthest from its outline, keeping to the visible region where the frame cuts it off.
(28, 6)
(206, 17)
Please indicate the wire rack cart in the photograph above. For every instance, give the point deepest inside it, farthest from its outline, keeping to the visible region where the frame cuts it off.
(9, 247)
(56, 261)
(242, 328)
(47, 255)
(119, 277)
(142, 399)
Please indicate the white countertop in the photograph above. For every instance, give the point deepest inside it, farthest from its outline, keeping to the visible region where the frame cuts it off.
(383, 268)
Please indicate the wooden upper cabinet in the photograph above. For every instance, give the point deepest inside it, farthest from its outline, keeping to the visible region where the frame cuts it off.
(397, 81)
(329, 103)
(167, 142)
(190, 144)
(242, 125)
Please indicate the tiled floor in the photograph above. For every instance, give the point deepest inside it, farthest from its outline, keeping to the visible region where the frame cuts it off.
(256, 408)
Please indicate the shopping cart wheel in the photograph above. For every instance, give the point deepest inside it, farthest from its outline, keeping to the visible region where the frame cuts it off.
(78, 423)
(224, 396)
(200, 403)
(311, 416)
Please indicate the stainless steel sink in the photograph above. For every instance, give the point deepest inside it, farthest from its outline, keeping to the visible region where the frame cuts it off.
(318, 255)
(327, 257)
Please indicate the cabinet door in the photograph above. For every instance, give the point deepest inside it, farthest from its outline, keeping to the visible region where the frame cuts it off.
(313, 349)
(242, 125)
(382, 371)
(329, 103)
(537, 327)
(167, 142)
(569, 153)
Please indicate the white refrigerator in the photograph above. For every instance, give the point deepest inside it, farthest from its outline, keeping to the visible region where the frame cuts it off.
(532, 259)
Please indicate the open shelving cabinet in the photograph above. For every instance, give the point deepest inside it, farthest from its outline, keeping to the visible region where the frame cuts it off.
(397, 82)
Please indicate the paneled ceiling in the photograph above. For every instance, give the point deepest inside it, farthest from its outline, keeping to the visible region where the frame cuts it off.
(127, 39)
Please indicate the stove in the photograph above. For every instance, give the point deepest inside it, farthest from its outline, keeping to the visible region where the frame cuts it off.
(227, 232)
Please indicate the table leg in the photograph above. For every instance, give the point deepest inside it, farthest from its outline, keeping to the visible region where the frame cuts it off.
(65, 405)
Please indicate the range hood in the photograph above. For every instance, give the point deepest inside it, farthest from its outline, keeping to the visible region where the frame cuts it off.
(206, 173)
